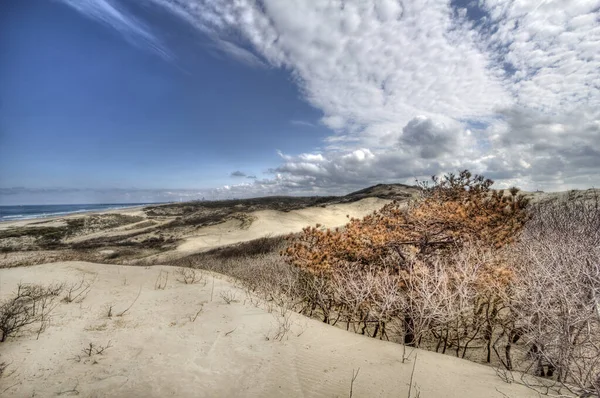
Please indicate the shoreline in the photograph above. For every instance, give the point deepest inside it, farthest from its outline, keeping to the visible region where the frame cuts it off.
(119, 206)
(22, 222)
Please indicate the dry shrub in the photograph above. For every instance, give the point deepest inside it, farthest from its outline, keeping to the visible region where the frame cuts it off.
(262, 272)
(228, 296)
(255, 247)
(555, 300)
(455, 210)
(95, 349)
(189, 276)
(532, 304)
(417, 264)
(30, 305)
(77, 291)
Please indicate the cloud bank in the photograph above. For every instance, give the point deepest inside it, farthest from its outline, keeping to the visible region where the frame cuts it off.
(414, 88)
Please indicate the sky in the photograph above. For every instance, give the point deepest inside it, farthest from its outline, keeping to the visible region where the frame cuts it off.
(160, 100)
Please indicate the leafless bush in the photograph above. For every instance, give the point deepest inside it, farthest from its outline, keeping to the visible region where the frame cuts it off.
(365, 300)
(189, 276)
(31, 304)
(78, 291)
(555, 302)
(94, 349)
(228, 296)
(283, 323)
(89, 351)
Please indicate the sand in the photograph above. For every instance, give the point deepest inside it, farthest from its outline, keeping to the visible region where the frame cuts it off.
(157, 350)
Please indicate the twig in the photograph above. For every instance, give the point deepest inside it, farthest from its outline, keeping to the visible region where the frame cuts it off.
(131, 305)
(11, 386)
(412, 374)
(354, 376)
(158, 285)
(231, 331)
(212, 290)
(193, 317)
(503, 394)
(73, 390)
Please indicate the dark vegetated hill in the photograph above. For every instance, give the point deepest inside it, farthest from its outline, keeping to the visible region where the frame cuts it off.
(279, 203)
(386, 191)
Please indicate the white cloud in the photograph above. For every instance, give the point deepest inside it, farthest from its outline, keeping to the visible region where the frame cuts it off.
(555, 49)
(551, 151)
(302, 123)
(411, 88)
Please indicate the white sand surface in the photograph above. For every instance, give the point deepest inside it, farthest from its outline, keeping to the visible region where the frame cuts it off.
(158, 351)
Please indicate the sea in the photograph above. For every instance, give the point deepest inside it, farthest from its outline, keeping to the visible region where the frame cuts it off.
(24, 212)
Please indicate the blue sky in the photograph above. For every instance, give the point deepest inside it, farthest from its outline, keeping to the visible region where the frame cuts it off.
(152, 100)
(84, 108)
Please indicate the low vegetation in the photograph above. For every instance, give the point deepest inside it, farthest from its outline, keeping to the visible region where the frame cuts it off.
(132, 238)
(53, 237)
(30, 306)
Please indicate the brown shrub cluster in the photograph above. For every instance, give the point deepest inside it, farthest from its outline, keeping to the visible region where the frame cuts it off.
(426, 269)
(453, 210)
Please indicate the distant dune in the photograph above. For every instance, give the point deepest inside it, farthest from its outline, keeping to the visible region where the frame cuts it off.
(155, 234)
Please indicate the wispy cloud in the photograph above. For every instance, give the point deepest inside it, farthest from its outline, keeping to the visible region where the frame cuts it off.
(240, 54)
(302, 123)
(115, 16)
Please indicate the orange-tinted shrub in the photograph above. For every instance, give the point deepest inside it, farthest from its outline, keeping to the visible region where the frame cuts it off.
(451, 211)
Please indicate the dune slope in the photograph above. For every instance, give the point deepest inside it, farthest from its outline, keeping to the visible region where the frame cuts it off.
(157, 349)
(270, 222)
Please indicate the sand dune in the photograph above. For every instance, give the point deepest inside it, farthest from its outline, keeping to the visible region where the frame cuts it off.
(269, 222)
(228, 351)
